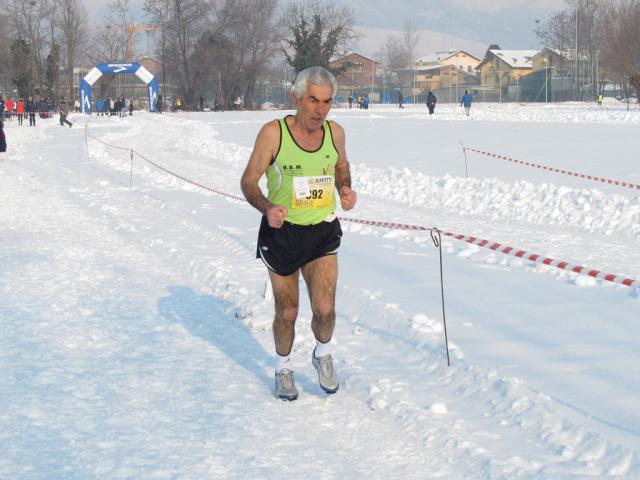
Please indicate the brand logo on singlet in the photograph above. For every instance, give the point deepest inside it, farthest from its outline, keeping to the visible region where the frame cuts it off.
(291, 169)
(328, 170)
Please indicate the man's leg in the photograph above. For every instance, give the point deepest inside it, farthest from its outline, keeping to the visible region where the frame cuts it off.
(285, 293)
(321, 276)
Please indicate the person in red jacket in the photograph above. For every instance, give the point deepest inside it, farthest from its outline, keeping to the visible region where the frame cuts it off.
(20, 111)
(9, 108)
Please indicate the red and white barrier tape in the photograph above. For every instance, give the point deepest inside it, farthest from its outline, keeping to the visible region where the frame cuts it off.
(185, 179)
(557, 170)
(533, 257)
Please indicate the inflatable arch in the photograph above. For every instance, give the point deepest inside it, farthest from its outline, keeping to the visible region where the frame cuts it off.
(114, 69)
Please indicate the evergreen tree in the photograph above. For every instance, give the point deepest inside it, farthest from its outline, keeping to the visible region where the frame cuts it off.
(21, 66)
(52, 69)
(318, 33)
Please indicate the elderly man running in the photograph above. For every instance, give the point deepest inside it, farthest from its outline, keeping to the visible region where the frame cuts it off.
(304, 159)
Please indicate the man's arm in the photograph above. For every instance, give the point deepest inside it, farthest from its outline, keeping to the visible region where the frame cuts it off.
(263, 152)
(343, 174)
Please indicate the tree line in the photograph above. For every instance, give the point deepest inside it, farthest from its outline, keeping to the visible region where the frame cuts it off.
(228, 46)
(602, 36)
(224, 45)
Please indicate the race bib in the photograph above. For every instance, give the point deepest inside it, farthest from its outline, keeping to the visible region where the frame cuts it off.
(312, 192)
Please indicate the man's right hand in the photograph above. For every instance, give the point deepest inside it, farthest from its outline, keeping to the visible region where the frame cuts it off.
(275, 215)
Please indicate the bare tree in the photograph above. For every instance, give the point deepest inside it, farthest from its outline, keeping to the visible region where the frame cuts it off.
(107, 44)
(578, 29)
(185, 25)
(234, 51)
(160, 13)
(31, 24)
(5, 53)
(411, 37)
(559, 31)
(72, 18)
(393, 54)
(256, 37)
(590, 23)
(621, 50)
(121, 12)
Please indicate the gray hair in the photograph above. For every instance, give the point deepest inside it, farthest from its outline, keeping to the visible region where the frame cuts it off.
(318, 76)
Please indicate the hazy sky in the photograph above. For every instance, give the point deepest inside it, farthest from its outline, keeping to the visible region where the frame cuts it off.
(509, 23)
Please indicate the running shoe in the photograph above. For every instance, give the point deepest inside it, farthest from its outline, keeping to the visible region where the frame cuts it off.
(327, 377)
(285, 385)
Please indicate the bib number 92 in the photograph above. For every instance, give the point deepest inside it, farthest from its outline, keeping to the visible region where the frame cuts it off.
(315, 195)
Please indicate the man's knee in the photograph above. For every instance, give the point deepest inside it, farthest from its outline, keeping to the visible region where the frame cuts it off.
(287, 313)
(324, 310)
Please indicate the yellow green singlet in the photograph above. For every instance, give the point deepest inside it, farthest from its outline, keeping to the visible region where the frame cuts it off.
(303, 181)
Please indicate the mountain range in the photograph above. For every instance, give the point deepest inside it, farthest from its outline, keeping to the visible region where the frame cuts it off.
(508, 23)
(469, 25)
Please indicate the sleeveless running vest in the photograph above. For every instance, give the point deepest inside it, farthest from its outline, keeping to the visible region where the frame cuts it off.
(303, 181)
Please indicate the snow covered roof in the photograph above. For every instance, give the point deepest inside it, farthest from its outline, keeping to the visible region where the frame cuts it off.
(516, 58)
(556, 51)
(437, 57)
(350, 53)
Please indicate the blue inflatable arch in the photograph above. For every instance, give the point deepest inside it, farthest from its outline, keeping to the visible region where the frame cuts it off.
(113, 69)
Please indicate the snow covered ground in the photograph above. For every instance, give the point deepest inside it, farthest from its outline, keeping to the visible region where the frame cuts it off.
(135, 335)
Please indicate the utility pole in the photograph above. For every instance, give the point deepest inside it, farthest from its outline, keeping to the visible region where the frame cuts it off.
(537, 20)
(450, 83)
(373, 75)
(546, 77)
(383, 85)
(500, 81)
(576, 86)
(284, 85)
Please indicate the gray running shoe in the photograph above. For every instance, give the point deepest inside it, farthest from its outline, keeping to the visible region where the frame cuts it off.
(285, 386)
(327, 377)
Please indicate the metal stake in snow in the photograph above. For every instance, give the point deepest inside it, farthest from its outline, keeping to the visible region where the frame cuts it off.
(437, 241)
(131, 172)
(464, 151)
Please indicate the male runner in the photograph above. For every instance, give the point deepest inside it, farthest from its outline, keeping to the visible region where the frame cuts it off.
(304, 159)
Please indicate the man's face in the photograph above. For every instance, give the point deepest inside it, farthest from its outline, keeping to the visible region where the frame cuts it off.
(314, 106)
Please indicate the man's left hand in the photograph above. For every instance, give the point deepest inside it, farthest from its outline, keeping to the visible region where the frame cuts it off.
(347, 198)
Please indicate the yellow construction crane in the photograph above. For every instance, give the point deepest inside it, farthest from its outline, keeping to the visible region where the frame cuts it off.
(131, 29)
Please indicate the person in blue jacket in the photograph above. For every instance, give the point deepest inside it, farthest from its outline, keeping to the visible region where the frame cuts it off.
(431, 102)
(31, 108)
(99, 106)
(466, 101)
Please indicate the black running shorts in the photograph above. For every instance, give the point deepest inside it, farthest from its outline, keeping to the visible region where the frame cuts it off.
(284, 250)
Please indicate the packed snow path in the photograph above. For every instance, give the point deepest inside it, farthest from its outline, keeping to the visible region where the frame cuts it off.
(136, 335)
